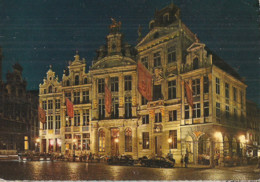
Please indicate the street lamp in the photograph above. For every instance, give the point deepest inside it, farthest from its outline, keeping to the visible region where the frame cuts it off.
(116, 140)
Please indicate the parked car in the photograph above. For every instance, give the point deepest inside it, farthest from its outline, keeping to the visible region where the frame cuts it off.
(121, 160)
(156, 162)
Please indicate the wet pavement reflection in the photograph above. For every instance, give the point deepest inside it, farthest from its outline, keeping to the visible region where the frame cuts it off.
(44, 170)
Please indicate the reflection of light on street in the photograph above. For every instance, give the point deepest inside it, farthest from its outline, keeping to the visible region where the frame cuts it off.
(167, 173)
(116, 172)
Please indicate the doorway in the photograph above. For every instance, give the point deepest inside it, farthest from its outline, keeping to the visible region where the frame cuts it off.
(114, 142)
(43, 145)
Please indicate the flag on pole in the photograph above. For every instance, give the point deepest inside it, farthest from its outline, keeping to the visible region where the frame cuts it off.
(108, 99)
(144, 81)
(41, 115)
(69, 105)
(188, 94)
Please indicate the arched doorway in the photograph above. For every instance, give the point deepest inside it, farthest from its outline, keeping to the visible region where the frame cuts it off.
(115, 141)
(204, 150)
(189, 148)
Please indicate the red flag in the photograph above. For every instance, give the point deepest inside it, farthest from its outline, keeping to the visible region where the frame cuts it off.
(41, 114)
(188, 94)
(144, 81)
(70, 111)
(108, 99)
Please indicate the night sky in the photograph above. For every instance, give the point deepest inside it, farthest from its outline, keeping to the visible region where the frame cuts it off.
(37, 33)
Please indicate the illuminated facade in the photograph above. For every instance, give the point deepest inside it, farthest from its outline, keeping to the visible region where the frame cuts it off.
(212, 126)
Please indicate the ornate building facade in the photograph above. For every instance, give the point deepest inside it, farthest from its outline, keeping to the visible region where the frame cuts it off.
(18, 112)
(210, 123)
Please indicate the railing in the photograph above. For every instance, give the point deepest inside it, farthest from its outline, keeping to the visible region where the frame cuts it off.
(57, 131)
(76, 128)
(68, 129)
(85, 128)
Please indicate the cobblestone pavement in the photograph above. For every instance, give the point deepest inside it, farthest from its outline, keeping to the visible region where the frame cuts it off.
(13, 170)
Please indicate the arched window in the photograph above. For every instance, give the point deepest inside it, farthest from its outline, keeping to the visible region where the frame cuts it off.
(195, 63)
(50, 89)
(85, 81)
(77, 80)
(128, 140)
(68, 83)
(101, 140)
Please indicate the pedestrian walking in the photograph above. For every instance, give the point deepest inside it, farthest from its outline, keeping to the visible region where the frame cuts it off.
(186, 159)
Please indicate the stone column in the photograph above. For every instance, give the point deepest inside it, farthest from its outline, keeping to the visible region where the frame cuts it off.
(212, 146)
(195, 152)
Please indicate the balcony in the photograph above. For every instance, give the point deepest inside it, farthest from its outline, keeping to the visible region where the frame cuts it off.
(85, 128)
(57, 131)
(68, 129)
(76, 129)
(155, 103)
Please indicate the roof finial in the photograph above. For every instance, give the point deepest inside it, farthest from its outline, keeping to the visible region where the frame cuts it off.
(77, 55)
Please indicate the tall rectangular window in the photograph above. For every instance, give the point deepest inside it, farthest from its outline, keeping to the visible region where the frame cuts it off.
(50, 104)
(158, 117)
(227, 111)
(206, 84)
(157, 59)
(76, 118)
(145, 119)
(172, 54)
(145, 140)
(227, 90)
(218, 111)
(128, 107)
(157, 92)
(86, 117)
(68, 95)
(173, 136)
(101, 85)
(57, 104)
(114, 84)
(76, 97)
(187, 112)
(44, 104)
(85, 95)
(196, 87)
(101, 108)
(50, 122)
(172, 89)
(235, 113)
(144, 100)
(44, 125)
(128, 82)
(144, 60)
(57, 122)
(196, 110)
(173, 115)
(234, 94)
(217, 86)
(242, 99)
(115, 108)
(206, 109)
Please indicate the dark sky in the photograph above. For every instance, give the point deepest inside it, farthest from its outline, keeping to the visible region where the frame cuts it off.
(37, 33)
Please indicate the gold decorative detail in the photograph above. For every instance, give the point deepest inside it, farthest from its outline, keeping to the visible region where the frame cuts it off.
(197, 133)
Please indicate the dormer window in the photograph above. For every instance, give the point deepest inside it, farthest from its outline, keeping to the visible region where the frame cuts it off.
(50, 89)
(166, 18)
(50, 78)
(195, 63)
(68, 83)
(85, 81)
(156, 35)
(77, 80)
(151, 25)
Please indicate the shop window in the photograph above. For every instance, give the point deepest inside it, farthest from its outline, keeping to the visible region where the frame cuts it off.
(173, 136)
(145, 140)
(101, 139)
(128, 140)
